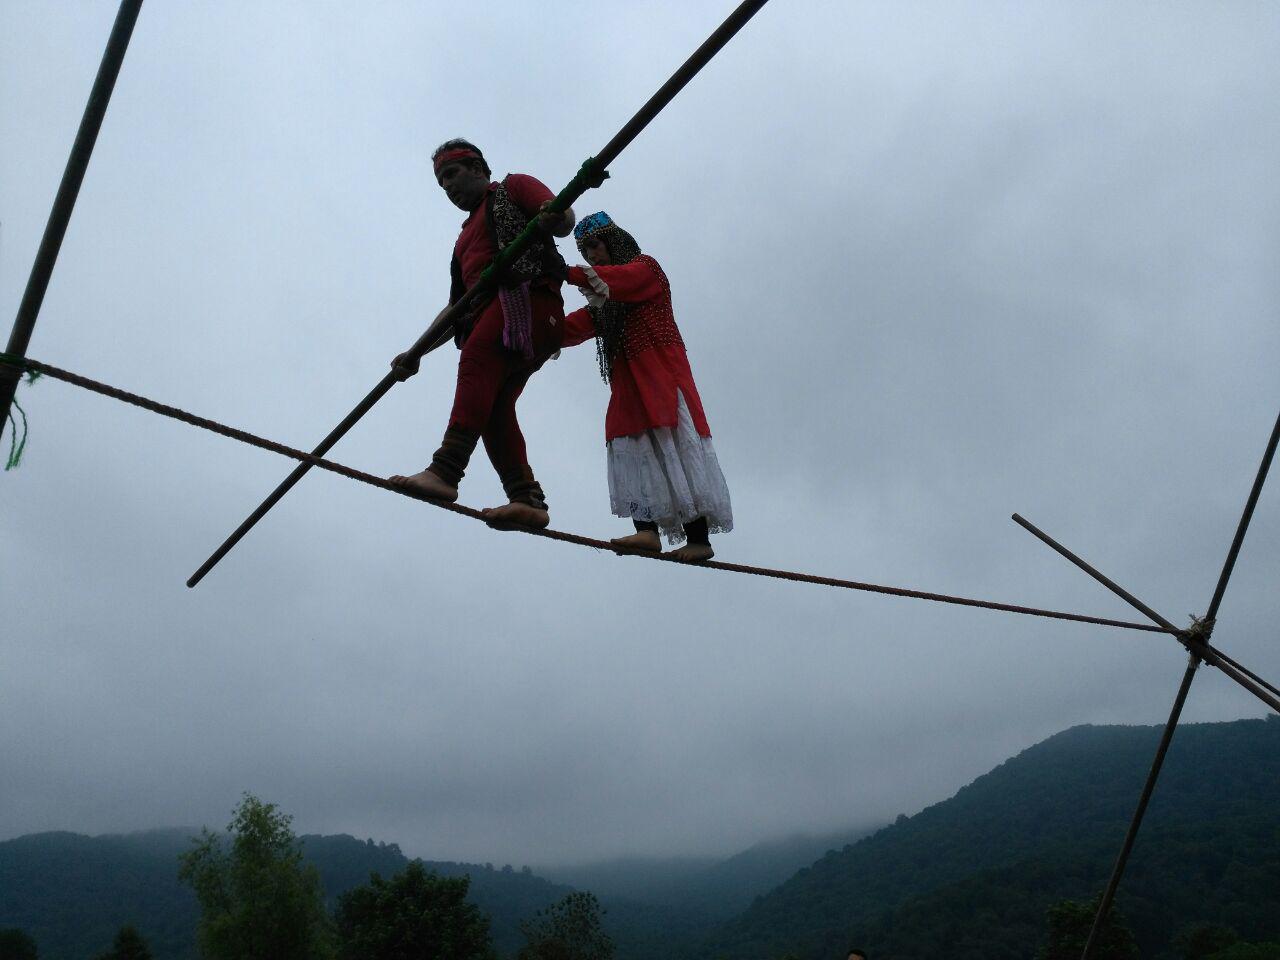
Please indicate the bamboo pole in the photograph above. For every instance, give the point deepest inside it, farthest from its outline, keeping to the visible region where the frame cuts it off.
(64, 201)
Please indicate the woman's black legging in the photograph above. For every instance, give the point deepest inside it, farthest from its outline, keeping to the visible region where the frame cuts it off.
(695, 530)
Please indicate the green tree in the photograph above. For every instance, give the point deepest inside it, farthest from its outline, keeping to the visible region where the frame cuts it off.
(1069, 924)
(1200, 942)
(257, 899)
(568, 930)
(413, 915)
(128, 945)
(17, 944)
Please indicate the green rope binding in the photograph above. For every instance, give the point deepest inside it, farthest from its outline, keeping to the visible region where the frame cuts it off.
(589, 175)
(16, 446)
(18, 438)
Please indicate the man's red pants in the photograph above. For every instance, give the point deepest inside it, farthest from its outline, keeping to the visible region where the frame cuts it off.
(491, 378)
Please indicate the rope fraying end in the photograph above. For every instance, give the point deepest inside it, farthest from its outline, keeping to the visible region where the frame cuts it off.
(18, 436)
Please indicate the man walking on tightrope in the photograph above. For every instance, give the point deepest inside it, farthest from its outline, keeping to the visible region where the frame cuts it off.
(504, 341)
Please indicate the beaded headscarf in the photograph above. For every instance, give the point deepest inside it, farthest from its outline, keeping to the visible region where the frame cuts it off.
(610, 317)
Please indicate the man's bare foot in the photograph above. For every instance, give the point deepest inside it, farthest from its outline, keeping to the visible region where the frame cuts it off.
(646, 540)
(516, 514)
(427, 484)
(693, 553)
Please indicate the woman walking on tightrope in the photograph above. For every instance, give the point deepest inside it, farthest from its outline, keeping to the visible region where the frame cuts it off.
(663, 471)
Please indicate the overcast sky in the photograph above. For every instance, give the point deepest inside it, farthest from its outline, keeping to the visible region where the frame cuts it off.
(934, 263)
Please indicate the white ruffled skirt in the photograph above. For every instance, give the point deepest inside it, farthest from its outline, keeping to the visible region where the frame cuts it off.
(669, 477)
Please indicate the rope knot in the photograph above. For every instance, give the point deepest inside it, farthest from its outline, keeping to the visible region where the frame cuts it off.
(1201, 629)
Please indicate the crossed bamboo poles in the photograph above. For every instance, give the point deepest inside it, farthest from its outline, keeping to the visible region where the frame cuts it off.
(1195, 638)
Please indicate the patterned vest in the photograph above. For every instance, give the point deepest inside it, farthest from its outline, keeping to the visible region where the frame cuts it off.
(540, 259)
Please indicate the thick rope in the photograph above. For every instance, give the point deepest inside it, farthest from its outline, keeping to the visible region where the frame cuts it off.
(302, 456)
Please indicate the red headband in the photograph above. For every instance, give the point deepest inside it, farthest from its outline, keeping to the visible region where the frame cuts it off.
(451, 156)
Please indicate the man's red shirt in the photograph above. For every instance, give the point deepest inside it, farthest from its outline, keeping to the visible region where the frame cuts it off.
(475, 248)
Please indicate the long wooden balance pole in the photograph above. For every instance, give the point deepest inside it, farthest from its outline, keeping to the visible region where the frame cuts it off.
(592, 173)
(65, 200)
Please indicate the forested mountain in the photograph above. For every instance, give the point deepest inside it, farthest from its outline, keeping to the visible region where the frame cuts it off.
(969, 877)
(72, 892)
(972, 876)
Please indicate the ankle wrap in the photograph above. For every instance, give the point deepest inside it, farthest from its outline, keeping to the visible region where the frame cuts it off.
(521, 487)
(450, 462)
(696, 531)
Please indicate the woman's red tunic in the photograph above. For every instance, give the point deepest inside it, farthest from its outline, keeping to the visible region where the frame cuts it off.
(652, 364)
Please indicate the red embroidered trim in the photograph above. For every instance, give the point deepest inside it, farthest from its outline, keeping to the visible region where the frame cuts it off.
(651, 323)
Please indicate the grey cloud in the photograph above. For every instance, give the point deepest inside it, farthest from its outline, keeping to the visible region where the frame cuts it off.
(934, 264)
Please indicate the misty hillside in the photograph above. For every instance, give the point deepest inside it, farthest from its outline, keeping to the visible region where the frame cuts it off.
(72, 892)
(972, 876)
(712, 887)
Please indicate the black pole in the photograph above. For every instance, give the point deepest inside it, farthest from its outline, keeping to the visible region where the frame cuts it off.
(1211, 656)
(1194, 639)
(1243, 527)
(298, 472)
(1107, 582)
(1246, 671)
(591, 174)
(1109, 895)
(688, 70)
(65, 201)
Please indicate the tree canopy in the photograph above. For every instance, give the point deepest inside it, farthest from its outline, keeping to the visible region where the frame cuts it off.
(17, 944)
(257, 899)
(129, 945)
(567, 930)
(415, 914)
(1069, 924)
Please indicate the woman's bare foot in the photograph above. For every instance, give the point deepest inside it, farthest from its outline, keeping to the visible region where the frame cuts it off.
(693, 553)
(427, 484)
(516, 514)
(646, 540)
